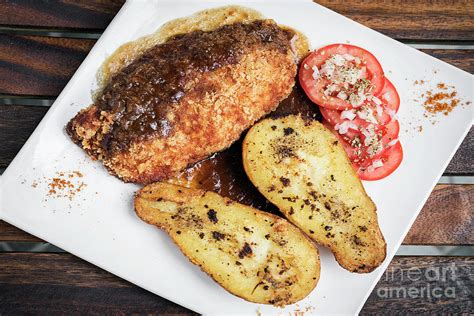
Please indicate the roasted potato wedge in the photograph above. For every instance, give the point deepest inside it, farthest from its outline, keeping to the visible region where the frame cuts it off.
(299, 166)
(257, 256)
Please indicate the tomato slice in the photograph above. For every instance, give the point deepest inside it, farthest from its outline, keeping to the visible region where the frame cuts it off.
(383, 112)
(391, 156)
(345, 141)
(360, 154)
(389, 96)
(332, 116)
(390, 101)
(391, 159)
(314, 86)
(389, 133)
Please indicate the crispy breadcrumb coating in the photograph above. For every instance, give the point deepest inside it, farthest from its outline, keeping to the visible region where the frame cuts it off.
(186, 99)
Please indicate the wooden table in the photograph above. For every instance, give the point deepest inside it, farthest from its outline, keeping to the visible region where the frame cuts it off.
(41, 45)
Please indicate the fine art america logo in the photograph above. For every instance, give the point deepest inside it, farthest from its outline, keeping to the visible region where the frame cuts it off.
(431, 282)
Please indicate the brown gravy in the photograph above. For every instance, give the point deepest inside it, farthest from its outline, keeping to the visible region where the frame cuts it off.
(223, 172)
(142, 95)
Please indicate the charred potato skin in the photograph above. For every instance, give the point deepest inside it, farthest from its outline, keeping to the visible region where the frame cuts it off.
(299, 166)
(224, 239)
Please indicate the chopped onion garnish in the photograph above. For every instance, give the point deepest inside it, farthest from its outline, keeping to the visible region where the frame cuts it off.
(379, 110)
(362, 114)
(315, 73)
(386, 97)
(392, 142)
(392, 113)
(306, 66)
(377, 163)
(339, 70)
(370, 136)
(330, 89)
(365, 132)
(347, 114)
(356, 99)
(343, 127)
(367, 114)
(328, 69)
(348, 57)
(376, 100)
(338, 60)
(342, 95)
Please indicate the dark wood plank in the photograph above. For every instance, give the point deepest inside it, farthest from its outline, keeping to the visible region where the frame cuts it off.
(17, 122)
(61, 283)
(36, 65)
(462, 162)
(91, 14)
(413, 20)
(11, 233)
(405, 286)
(463, 59)
(446, 219)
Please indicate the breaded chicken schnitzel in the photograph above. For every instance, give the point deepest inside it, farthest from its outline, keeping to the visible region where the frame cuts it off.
(187, 98)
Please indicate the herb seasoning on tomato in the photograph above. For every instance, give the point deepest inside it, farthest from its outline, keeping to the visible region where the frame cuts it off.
(358, 104)
(341, 76)
(376, 110)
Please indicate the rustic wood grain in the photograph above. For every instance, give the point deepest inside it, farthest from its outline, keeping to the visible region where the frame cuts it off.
(411, 20)
(90, 14)
(446, 219)
(62, 283)
(400, 288)
(17, 122)
(37, 65)
(461, 58)
(11, 233)
(463, 161)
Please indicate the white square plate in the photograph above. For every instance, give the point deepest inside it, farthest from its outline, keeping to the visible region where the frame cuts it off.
(102, 227)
